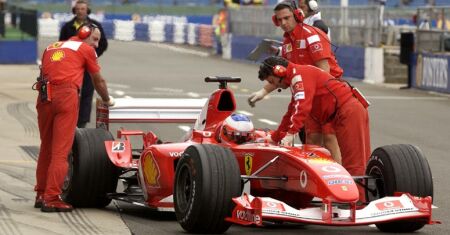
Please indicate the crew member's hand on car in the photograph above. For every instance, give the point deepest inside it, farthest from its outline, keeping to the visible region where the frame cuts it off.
(110, 102)
(268, 139)
(257, 96)
(288, 140)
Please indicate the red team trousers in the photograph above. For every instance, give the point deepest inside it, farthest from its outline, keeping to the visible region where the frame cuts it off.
(57, 122)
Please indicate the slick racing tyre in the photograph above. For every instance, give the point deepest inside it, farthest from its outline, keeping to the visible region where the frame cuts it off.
(399, 168)
(206, 179)
(91, 175)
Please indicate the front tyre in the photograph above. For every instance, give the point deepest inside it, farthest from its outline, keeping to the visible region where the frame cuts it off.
(206, 179)
(399, 168)
(91, 175)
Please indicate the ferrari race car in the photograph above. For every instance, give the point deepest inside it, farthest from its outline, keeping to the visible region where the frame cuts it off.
(211, 184)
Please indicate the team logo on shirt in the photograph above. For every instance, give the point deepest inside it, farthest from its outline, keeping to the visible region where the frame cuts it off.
(299, 86)
(288, 48)
(57, 55)
(316, 47)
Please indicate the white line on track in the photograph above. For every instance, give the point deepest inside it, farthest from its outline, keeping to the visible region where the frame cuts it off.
(119, 92)
(185, 128)
(267, 121)
(245, 112)
(166, 89)
(128, 97)
(193, 94)
(117, 85)
(180, 49)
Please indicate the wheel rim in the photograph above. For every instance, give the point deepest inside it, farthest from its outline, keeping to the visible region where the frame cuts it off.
(68, 178)
(377, 185)
(184, 188)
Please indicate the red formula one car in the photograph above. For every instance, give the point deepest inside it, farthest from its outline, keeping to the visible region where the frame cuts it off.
(211, 184)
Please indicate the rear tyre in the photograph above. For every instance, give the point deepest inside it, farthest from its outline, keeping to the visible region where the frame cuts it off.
(400, 168)
(91, 174)
(206, 179)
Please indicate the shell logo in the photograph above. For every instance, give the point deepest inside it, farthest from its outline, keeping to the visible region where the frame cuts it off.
(151, 171)
(320, 160)
(57, 55)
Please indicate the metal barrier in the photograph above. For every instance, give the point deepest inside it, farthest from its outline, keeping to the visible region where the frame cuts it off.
(357, 26)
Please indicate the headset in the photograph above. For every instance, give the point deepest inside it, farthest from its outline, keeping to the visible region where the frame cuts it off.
(85, 30)
(313, 6)
(298, 14)
(84, 2)
(277, 70)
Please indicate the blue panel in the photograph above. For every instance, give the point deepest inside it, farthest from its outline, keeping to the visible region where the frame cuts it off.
(351, 59)
(108, 28)
(168, 31)
(117, 16)
(18, 52)
(199, 19)
(141, 32)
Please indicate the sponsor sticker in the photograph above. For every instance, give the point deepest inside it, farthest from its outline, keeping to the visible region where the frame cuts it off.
(303, 179)
(336, 176)
(299, 86)
(320, 160)
(316, 47)
(57, 56)
(175, 154)
(248, 215)
(389, 205)
(312, 39)
(118, 147)
(299, 96)
(301, 44)
(151, 171)
(274, 205)
(339, 181)
(248, 162)
(330, 169)
(344, 188)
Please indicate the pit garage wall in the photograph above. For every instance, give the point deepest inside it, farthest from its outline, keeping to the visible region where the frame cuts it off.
(430, 72)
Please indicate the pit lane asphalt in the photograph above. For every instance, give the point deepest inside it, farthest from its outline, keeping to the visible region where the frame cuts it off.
(139, 69)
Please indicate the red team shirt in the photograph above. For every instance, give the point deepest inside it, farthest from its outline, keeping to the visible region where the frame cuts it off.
(310, 87)
(58, 55)
(306, 45)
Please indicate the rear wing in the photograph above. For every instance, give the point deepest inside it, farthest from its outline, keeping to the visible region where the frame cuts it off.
(149, 110)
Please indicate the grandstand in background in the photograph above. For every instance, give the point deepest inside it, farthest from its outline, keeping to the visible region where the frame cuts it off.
(389, 3)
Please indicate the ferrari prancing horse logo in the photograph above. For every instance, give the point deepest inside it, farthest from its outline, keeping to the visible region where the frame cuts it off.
(248, 161)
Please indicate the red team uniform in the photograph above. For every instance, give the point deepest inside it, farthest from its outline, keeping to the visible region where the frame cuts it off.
(318, 95)
(306, 45)
(63, 65)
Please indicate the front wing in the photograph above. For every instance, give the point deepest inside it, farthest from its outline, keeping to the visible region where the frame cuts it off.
(256, 210)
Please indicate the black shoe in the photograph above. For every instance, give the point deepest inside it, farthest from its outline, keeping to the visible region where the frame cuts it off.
(82, 124)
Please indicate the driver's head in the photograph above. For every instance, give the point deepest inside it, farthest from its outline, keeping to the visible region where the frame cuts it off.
(237, 128)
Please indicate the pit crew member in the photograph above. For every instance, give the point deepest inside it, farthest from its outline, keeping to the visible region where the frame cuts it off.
(63, 66)
(326, 99)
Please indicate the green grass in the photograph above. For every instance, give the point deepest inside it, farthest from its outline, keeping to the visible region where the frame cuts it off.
(14, 34)
(131, 8)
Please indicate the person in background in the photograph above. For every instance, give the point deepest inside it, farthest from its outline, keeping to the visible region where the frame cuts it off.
(81, 10)
(63, 67)
(313, 16)
(306, 45)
